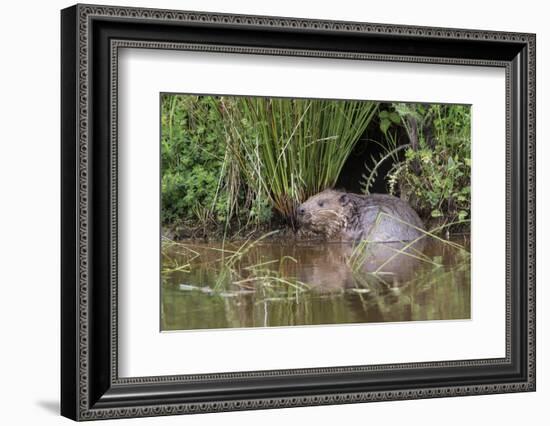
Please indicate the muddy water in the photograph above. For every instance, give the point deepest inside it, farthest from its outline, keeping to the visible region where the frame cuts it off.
(265, 284)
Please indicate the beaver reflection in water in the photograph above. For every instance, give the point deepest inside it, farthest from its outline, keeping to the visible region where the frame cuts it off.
(342, 216)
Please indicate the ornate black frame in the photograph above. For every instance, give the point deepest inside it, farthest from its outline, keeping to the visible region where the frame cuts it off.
(91, 37)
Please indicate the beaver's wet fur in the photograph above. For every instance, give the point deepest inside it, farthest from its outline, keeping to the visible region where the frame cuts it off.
(343, 216)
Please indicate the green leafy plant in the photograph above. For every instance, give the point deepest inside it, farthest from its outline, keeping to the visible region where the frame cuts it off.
(432, 171)
(435, 176)
(192, 159)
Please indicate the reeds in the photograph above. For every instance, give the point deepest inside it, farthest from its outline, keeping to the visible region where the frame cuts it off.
(290, 149)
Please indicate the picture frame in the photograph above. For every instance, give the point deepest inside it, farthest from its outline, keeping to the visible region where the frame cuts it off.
(90, 384)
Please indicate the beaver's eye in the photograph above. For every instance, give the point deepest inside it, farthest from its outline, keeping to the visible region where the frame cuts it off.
(321, 203)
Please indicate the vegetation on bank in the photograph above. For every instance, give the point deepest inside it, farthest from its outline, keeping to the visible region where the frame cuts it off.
(235, 165)
(432, 169)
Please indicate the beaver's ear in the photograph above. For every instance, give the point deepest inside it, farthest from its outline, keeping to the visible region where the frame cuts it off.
(344, 199)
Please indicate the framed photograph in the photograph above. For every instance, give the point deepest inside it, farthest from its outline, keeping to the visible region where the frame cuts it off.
(263, 212)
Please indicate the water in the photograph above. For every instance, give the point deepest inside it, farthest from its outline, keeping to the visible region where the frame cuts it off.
(266, 284)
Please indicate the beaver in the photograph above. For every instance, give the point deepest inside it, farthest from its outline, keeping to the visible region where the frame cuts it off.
(343, 216)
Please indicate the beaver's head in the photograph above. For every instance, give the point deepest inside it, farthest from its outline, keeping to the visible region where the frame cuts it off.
(325, 213)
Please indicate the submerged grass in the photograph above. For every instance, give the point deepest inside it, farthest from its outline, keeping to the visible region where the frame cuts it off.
(258, 283)
(172, 254)
(236, 269)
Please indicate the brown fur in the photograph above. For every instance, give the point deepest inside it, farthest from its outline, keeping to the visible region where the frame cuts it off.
(342, 216)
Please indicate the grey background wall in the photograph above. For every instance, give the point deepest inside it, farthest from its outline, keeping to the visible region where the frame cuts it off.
(29, 210)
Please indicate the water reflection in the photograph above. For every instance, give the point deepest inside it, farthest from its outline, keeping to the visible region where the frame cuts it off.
(281, 284)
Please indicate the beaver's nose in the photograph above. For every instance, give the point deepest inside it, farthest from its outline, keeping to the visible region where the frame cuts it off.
(301, 211)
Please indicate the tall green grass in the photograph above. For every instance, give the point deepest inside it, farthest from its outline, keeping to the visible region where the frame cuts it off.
(290, 149)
